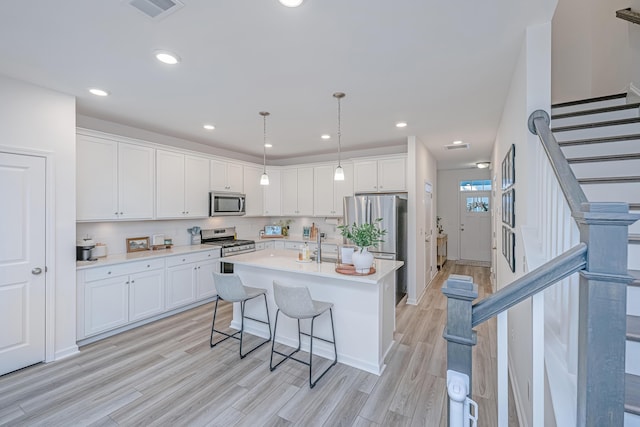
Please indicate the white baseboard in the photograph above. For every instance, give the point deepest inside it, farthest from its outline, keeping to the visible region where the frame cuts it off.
(69, 351)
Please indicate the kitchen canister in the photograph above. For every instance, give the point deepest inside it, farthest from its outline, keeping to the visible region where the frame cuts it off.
(99, 251)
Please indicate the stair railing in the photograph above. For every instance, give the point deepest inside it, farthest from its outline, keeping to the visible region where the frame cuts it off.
(601, 260)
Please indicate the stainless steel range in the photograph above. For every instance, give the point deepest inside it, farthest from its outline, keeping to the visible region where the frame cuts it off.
(225, 239)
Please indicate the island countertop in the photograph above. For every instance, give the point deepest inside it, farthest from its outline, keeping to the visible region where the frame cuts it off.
(286, 260)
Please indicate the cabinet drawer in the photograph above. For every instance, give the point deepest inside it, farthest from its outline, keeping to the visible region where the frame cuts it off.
(107, 271)
(259, 246)
(293, 245)
(193, 257)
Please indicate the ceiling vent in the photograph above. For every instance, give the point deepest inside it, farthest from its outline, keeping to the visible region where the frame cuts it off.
(457, 146)
(156, 9)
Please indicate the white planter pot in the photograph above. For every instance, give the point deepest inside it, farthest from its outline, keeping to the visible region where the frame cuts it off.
(362, 261)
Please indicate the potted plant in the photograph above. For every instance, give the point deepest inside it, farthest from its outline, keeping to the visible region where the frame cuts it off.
(363, 236)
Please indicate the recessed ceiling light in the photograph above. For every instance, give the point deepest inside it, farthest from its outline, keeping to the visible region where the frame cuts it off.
(401, 124)
(457, 142)
(209, 127)
(291, 3)
(325, 136)
(98, 92)
(483, 165)
(267, 145)
(167, 57)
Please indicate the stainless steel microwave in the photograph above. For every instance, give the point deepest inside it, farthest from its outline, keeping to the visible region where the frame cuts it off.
(226, 204)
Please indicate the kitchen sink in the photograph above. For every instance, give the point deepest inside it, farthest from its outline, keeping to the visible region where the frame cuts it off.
(325, 259)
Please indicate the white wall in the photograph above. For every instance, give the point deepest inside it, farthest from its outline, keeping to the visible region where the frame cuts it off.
(33, 118)
(594, 53)
(114, 234)
(448, 202)
(421, 167)
(529, 91)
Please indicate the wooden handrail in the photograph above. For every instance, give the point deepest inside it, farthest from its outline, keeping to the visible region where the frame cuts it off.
(574, 260)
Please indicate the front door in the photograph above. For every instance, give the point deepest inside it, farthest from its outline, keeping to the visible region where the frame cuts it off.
(475, 226)
(428, 232)
(22, 261)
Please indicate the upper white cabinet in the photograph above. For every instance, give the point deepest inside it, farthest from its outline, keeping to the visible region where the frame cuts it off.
(114, 180)
(226, 176)
(297, 191)
(273, 194)
(381, 175)
(254, 202)
(328, 194)
(182, 185)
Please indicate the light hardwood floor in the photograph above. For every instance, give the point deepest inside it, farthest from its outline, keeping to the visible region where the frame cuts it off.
(165, 373)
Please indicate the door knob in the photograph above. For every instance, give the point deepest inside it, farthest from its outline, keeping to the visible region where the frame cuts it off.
(36, 270)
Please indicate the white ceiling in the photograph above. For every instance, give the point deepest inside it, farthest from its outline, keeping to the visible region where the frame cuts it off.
(441, 65)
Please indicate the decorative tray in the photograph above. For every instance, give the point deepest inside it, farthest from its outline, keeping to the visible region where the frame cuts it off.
(350, 270)
(302, 261)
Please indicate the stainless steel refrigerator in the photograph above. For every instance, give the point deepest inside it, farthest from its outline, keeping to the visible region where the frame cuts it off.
(393, 211)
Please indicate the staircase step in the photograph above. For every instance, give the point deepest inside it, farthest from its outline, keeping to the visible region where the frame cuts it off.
(617, 166)
(633, 263)
(616, 112)
(609, 180)
(591, 103)
(633, 295)
(634, 238)
(598, 129)
(618, 145)
(634, 206)
(632, 357)
(633, 328)
(632, 394)
(616, 192)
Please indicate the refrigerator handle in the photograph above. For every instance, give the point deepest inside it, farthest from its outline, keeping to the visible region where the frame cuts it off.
(368, 217)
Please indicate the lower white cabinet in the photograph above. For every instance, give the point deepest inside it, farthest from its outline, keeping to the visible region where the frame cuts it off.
(113, 296)
(190, 278)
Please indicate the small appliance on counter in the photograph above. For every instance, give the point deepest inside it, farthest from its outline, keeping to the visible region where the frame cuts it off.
(195, 235)
(99, 251)
(83, 249)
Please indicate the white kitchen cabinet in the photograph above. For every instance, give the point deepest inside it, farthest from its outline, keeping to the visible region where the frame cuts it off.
(226, 176)
(273, 194)
(381, 175)
(114, 180)
(329, 194)
(278, 245)
(146, 294)
(260, 246)
(254, 192)
(113, 296)
(297, 191)
(182, 186)
(189, 277)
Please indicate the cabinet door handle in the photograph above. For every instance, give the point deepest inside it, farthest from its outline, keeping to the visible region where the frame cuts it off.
(133, 281)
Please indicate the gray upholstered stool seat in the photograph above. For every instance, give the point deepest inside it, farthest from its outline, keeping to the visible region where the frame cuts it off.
(230, 288)
(296, 302)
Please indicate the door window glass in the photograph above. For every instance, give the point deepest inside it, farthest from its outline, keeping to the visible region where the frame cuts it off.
(476, 185)
(477, 204)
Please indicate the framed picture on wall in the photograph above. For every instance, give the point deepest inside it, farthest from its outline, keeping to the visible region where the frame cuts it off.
(508, 207)
(509, 168)
(509, 247)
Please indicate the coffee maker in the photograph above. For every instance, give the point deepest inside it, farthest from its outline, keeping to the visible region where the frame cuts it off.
(83, 249)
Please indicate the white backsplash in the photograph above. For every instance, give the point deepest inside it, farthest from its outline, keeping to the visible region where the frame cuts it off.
(114, 234)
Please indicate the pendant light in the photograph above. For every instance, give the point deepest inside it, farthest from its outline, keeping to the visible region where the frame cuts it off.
(339, 175)
(264, 179)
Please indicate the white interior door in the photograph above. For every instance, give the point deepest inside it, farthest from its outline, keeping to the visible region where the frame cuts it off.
(475, 226)
(428, 232)
(22, 261)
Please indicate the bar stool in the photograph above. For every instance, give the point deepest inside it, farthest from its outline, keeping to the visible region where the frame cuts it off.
(296, 303)
(230, 288)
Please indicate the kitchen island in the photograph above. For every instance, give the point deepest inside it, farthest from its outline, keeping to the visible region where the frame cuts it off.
(364, 306)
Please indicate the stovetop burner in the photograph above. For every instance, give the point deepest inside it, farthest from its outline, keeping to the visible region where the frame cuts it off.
(225, 238)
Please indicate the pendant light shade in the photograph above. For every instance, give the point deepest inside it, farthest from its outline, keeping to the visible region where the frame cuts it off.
(264, 179)
(339, 174)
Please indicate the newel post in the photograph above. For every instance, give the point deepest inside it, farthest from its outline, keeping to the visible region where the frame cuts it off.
(460, 292)
(602, 313)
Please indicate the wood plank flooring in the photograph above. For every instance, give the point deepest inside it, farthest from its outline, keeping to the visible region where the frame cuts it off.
(165, 374)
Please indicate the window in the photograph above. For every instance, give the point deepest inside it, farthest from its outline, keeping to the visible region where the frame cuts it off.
(477, 204)
(476, 185)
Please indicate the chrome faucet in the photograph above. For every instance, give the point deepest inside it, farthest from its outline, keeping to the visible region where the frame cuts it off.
(319, 249)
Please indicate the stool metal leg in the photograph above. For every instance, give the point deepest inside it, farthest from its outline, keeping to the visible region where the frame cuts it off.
(311, 337)
(241, 331)
(312, 384)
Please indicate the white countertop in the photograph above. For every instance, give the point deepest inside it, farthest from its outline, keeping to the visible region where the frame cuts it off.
(137, 256)
(285, 260)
